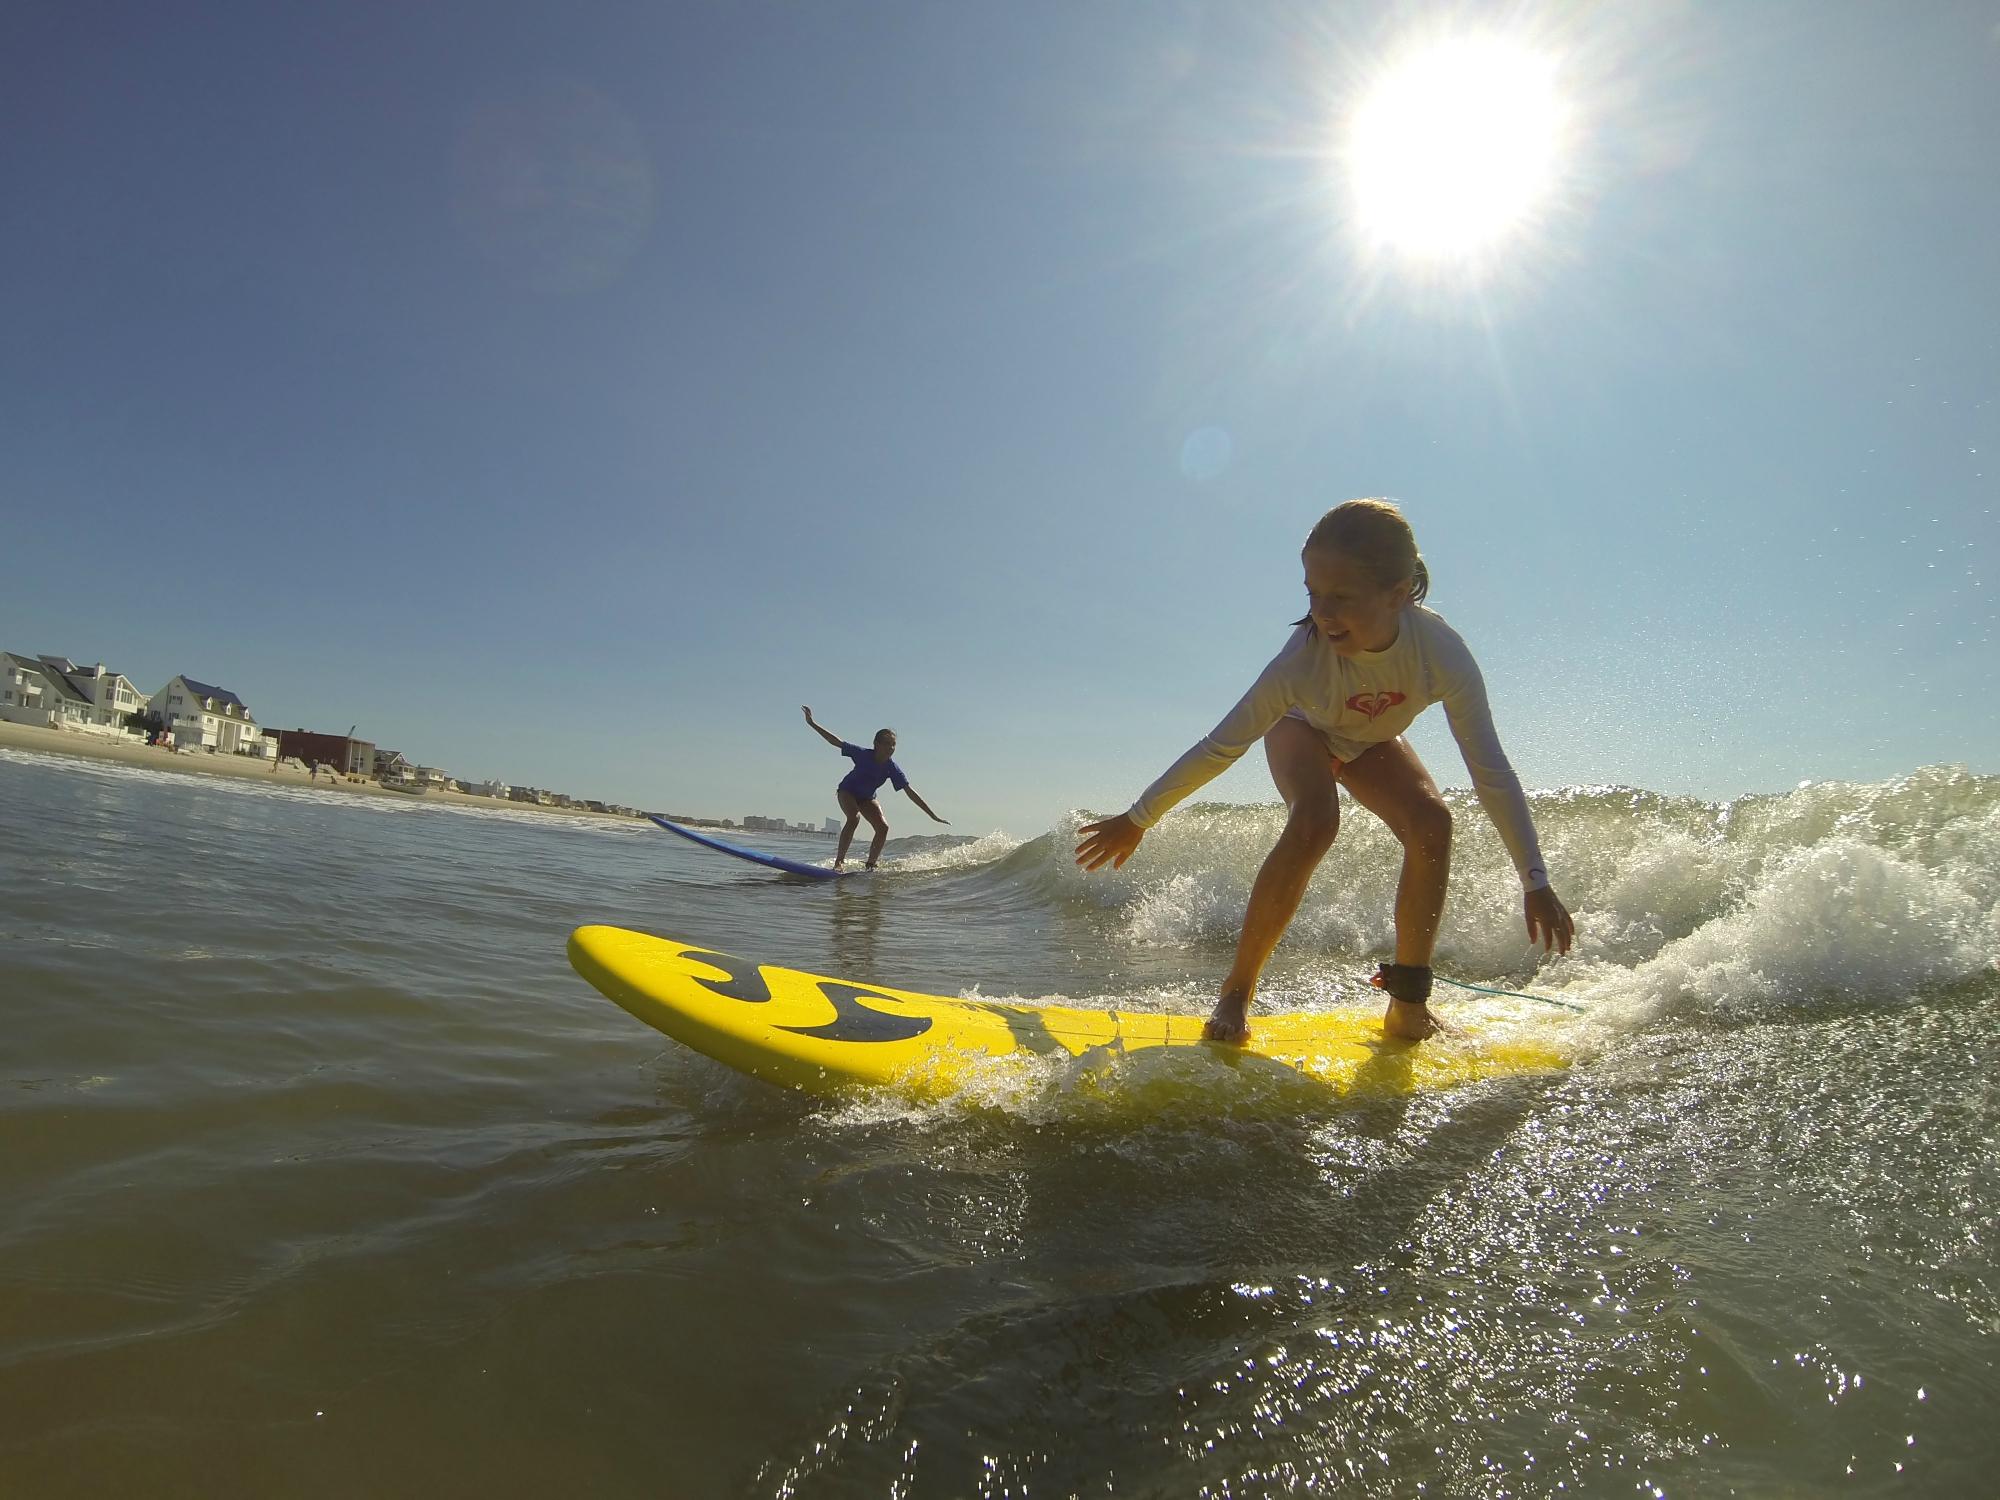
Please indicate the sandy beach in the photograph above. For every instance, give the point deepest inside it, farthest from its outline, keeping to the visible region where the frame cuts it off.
(201, 763)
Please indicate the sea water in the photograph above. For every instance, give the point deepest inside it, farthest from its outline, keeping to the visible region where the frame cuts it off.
(321, 1173)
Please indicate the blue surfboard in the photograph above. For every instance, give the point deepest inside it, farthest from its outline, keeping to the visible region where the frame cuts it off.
(755, 856)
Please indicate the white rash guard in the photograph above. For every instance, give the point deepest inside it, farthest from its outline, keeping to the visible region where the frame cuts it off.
(1363, 700)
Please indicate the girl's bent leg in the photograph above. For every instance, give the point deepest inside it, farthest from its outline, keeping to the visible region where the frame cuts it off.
(1303, 771)
(1391, 782)
(872, 811)
(852, 808)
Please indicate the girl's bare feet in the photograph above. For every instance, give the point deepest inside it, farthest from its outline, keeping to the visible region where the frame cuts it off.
(1229, 1021)
(1410, 1022)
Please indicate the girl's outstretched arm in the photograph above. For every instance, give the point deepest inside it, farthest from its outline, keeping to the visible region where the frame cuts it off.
(1499, 791)
(911, 793)
(832, 739)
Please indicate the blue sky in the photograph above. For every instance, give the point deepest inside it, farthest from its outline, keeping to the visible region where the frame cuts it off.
(567, 393)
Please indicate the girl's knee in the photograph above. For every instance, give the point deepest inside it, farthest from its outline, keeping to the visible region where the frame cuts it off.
(1427, 826)
(1314, 821)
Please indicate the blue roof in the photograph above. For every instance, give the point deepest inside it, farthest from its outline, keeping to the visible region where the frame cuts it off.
(203, 690)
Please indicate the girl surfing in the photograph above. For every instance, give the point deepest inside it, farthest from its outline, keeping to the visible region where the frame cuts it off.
(858, 787)
(1331, 709)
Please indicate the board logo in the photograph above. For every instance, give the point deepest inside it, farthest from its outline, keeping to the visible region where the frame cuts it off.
(852, 1021)
(1372, 704)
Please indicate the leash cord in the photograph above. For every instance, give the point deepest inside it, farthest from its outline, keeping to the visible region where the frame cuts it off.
(1514, 994)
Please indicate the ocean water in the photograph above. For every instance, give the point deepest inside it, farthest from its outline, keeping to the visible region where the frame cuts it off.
(322, 1173)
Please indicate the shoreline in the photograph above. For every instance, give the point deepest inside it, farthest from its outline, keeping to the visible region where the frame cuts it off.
(197, 763)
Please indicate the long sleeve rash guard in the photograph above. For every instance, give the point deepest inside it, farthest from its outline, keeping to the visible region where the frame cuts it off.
(1364, 700)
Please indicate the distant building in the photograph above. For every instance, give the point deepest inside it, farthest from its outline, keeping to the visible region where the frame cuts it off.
(755, 824)
(54, 692)
(833, 825)
(202, 717)
(32, 694)
(112, 695)
(350, 757)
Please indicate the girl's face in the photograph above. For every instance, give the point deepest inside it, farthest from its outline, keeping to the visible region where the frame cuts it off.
(1352, 612)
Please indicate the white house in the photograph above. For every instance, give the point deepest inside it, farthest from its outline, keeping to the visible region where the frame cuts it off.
(199, 716)
(112, 695)
(55, 692)
(31, 694)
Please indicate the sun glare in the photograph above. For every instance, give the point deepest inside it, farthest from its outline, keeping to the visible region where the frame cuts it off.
(1456, 149)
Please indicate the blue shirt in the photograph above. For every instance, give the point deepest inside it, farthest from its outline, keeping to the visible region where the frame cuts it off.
(866, 779)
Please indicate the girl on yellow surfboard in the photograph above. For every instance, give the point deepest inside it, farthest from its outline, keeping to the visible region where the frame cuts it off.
(1331, 709)
(856, 792)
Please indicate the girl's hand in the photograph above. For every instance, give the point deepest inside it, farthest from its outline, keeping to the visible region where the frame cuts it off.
(1549, 921)
(1107, 841)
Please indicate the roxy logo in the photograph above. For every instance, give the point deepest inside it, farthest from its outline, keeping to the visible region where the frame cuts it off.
(1372, 705)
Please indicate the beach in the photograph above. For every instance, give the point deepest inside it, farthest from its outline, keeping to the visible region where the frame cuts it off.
(123, 751)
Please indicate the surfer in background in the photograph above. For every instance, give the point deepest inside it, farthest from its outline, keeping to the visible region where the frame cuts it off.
(858, 787)
(1331, 709)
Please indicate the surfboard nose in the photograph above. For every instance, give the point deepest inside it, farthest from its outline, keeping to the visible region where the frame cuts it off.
(596, 948)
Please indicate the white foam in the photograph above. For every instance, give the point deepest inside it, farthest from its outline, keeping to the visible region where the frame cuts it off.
(984, 850)
(1836, 893)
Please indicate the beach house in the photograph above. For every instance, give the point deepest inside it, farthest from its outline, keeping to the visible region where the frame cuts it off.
(54, 692)
(31, 694)
(201, 717)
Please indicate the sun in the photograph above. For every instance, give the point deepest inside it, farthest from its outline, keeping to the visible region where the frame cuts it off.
(1456, 149)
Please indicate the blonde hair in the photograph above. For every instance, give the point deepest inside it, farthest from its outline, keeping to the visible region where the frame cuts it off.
(1374, 533)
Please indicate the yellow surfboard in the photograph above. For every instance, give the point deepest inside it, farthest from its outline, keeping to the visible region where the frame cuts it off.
(824, 1035)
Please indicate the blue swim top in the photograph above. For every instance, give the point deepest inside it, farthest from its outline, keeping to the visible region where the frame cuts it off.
(866, 779)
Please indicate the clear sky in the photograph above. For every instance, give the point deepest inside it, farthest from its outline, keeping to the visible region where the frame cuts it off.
(567, 393)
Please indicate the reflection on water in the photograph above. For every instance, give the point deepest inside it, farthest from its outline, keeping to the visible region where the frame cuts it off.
(856, 923)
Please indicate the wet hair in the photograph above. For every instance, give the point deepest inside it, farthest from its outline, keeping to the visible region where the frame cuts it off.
(1374, 533)
(880, 732)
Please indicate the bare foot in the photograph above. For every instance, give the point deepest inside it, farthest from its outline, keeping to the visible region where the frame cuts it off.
(1228, 1022)
(1410, 1022)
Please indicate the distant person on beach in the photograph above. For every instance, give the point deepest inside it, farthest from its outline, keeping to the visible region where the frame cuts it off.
(858, 788)
(1331, 709)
